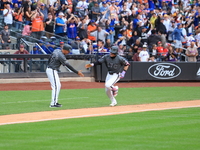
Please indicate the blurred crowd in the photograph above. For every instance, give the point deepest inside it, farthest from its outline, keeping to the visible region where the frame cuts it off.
(143, 30)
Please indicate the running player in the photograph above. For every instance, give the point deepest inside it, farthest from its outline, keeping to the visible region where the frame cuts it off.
(55, 60)
(115, 64)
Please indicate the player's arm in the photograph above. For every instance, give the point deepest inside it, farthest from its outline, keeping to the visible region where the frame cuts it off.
(126, 65)
(92, 64)
(100, 61)
(74, 70)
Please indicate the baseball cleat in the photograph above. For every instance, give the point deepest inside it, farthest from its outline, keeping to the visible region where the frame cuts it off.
(115, 90)
(57, 105)
(113, 104)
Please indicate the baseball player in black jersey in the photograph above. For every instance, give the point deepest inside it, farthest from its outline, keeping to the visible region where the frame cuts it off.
(55, 60)
(115, 63)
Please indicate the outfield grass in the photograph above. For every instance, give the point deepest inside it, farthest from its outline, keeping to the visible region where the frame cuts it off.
(156, 130)
(12, 102)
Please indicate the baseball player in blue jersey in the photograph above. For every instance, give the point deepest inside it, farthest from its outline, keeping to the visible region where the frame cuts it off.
(57, 59)
(115, 64)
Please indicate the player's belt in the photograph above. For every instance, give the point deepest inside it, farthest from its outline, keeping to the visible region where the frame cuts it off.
(50, 68)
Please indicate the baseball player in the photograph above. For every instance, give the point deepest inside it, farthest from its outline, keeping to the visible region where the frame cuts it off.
(115, 64)
(55, 60)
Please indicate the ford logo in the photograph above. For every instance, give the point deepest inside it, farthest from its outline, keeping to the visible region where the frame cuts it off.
(164, 71)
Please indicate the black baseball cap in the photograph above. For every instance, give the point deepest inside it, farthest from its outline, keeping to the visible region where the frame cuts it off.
(67, 47)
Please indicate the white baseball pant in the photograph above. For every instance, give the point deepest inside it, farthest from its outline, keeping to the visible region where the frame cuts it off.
(55, 84)
(111, 79)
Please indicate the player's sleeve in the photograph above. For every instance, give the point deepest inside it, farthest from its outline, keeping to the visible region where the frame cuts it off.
(124, 61)
(100, 61)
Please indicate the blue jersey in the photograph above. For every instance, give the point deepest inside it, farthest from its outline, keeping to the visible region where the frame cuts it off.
(59, 29)
(72, 30)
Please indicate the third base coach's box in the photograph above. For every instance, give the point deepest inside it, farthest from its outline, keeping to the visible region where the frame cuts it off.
(159, 71)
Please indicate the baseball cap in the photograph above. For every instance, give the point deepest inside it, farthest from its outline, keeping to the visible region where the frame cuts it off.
(178, 24)
(77, 38)
(61, 13)
(67, 47)
(34, 46)
(144, 45)
(42, 4)
(61, 42)
(92, 21)
(159, 42)
(21, 46)
(104, 2)
(40, 41)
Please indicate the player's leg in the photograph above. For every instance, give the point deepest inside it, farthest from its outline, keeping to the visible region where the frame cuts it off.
(55, 85)
(109, 85)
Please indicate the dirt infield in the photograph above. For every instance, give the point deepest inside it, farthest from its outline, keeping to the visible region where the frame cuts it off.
(64, 114)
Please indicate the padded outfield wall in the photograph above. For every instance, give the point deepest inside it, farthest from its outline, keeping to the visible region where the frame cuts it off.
(156, 71)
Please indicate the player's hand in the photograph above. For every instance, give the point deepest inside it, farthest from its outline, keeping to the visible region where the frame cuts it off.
(80, 73)
(88, 65)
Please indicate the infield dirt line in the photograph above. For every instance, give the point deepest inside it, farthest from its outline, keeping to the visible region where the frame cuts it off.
(93, 112)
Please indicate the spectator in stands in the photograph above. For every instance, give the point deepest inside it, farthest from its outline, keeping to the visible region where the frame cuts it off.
(5, 37)
(171, 55)
(100, 33)
(37, 24)
(18, 17)
(26, 32)
(110, 29)
(176, 35)
(192, 52)
(154, 38)
(82, 29)
(95, 11)
(121, 49)
(153, 51)
(162, 52)
(60, 25)
(28, 14)
(160, 26)
(8, 15)
(82, 7)
(136, 45)
(144, 34)
(49, 27)
(136, 55)
(18, 65)
(104, 10)
(144, 55)
(72, 23)
(170, 31)
(133, 39)
(91, 28)
(44, 10)
(108, 44)
(100, 47)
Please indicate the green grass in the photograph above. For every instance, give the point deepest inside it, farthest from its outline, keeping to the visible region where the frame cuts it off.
(12, 102)
(156, 130)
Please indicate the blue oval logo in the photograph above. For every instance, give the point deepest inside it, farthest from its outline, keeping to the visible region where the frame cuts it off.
(164, 71)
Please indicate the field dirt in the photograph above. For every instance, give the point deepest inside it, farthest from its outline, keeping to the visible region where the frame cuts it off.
(90, 112)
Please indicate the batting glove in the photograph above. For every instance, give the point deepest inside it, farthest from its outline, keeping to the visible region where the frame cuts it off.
(122, 74)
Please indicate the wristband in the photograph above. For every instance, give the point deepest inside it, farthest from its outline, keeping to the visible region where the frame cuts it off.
(92, 64)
